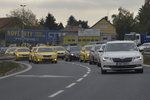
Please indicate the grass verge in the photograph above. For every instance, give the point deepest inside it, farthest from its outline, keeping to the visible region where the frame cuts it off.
(147, 59)
(7, 66)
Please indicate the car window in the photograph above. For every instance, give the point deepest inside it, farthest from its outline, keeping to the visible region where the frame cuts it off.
(45, 50)
(59, 49)
(23, 50)
(121, 47)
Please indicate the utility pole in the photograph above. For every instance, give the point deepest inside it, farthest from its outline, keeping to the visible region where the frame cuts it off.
(23, 14)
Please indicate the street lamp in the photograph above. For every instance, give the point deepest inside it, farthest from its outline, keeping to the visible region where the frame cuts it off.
(23, 14)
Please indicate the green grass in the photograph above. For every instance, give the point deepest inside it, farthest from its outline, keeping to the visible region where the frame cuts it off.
(147, 59)
(6, 66)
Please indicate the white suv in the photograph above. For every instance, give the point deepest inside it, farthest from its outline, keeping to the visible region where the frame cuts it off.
(121, 55)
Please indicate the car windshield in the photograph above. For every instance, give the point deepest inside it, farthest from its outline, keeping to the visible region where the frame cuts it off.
(88, 48)
(97, 47)
(146, 44)
(59, 49)
(23, 50)
(74, 49)
(11, 49)
(45, 50)
(110, 47)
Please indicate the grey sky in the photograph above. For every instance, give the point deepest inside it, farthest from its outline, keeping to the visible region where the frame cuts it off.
(91, 10)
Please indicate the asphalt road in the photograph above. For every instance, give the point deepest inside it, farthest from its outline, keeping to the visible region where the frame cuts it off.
(75, 81)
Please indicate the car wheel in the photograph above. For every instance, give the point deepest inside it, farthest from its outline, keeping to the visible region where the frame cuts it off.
(80, 60)
(70, 59)
(66, 59)
(139, 71)
(103, 71)
(29, 61)
(90, 62)
(98, 64)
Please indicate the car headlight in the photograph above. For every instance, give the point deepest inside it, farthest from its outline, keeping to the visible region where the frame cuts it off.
(137, 58)
(87, 54)
(106, 58)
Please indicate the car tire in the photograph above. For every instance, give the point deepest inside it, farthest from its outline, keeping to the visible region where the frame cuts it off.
(98, 64)
(66, 59)
(139, 71)
(90, 62)
(80, 60)
(103, 71)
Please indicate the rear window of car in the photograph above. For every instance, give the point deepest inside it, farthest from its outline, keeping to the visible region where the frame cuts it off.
(23, 50)
(45, 50)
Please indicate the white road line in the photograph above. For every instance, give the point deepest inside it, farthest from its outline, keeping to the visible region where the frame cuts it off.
(42, 76)
(27, 69)
(80, 79)
(88, 72)
(71, 85)
(55, 94)
(85, 75)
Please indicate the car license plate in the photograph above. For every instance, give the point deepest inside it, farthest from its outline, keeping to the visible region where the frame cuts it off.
(121, 64)
(46, 58)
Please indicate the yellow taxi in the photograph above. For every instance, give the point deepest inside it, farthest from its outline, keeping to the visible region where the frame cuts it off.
(22, 53)
(31, 54)
(85, 53)
(61, 51)
(45, 54)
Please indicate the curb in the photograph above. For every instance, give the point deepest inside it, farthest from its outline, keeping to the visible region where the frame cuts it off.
(7, 58)
(146, 65)
(29, 67)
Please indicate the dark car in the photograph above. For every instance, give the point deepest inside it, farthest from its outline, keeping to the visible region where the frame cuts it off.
(72, 53)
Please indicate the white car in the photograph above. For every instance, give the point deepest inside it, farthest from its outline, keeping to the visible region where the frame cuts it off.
(143, 46)
(100, 52)
(120, 56)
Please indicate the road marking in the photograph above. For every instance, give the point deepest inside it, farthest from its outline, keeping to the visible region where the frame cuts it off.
(80, 79)
(29, 67)
(42, 76)
(55, 94)
(88, 72)
(71, 85)
(85, 75)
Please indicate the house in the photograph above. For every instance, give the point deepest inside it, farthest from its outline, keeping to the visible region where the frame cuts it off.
(107, 30)
(10, 22)
(70, 35)
(86, 36)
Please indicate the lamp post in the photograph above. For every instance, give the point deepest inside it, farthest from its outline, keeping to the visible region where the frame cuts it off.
(23, 14)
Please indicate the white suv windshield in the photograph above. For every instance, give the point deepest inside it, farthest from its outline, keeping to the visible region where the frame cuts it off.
(110, 47)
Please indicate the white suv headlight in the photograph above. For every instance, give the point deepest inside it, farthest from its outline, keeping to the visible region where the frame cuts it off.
(137, 58)
(106, 58)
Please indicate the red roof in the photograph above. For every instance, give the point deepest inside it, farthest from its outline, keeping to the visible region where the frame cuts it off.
(9, 22)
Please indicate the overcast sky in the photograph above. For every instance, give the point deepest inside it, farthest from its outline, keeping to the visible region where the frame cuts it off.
(91, 10)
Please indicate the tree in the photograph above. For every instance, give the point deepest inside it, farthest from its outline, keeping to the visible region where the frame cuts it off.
(50, 22)
(84, 24)
(42, 22)
(60, 26)
(27, 17)
(73, 22)
(124, 22)
(143, 18)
